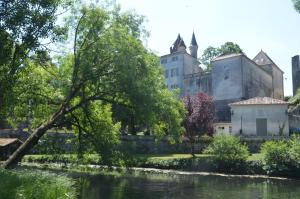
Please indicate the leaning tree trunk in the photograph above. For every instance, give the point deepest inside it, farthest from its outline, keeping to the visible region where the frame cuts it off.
(192, 143)
(32, 140)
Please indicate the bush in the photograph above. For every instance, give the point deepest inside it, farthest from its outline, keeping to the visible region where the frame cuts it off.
(294, 151)
(17, 184)
(282, 157)
(228, 153)
(275, 156)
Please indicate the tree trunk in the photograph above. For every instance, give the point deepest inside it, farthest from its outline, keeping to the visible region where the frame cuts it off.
(192, 147)
(32, 140)
(132, 126)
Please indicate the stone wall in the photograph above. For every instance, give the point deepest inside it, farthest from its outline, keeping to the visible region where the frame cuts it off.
(66, 143)
(294, 123)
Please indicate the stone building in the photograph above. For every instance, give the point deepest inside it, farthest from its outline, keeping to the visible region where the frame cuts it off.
(295, 73)
(260, 116)
(233, 78)
(183, 71)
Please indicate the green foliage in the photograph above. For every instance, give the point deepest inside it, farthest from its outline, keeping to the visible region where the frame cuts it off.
(228, 153)
(281, 157)
(97, 132)
(84, 89)
(19, 184)
(24, 26)
(294, 102)
(211, 53)
(296, 5)
(276, 157)
(294, 151)
(208, 55)
(35, 96)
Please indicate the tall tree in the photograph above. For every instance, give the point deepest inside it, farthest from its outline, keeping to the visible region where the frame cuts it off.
(199, 117)
(211, 53)
(296, 5)
(208, 55)
(109, 65)
(24, 25)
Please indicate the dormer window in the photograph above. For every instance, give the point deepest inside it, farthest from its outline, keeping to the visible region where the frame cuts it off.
(163, 61)
(174, 58)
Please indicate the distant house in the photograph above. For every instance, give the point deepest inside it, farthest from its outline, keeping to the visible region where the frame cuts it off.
(222, 128)
(260, 116)
(8, 146)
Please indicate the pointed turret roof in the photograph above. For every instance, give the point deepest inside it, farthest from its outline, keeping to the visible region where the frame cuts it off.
(193, 41)
(181, 44)
(178, 43)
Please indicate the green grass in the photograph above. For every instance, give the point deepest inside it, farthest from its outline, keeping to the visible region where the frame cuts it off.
(34, 184)
(255, 157)
(94, 158)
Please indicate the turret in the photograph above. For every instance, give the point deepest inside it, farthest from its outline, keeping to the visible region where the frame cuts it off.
(193, 47)
(178, 45)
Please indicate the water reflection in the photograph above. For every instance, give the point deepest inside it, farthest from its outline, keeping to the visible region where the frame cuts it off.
(154, 186)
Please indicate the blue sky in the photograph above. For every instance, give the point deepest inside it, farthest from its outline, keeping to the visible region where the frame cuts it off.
(270, 25)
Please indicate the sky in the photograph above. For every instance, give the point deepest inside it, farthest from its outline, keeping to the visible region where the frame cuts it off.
(270, 25)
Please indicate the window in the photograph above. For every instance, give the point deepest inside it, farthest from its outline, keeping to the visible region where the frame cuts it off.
(230, 129)
(226, 72)
(174, 58)
(166, 73)
(172, 72)
(177, 72)
(173, 86)
(163, 61)
(198, 82)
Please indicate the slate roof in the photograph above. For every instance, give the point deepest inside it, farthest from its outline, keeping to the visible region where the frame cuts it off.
(178, 43)
(227, 56)
(194, 42)
(8, 141)
(263, 58)
(260, 101)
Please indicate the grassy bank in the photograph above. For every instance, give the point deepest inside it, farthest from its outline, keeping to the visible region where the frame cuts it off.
(201, 162)
(33, 184)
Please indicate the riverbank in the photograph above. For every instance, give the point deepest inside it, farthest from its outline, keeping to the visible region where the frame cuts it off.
(186, 162)
(23, 183)
(179, 162)
(113, 170)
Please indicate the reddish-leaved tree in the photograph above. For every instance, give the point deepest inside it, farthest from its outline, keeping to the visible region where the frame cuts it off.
(199, 117)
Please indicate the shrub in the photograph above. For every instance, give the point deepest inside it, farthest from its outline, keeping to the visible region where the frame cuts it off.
(282, 157)
(275, 156)
(294, 151)
(228, 153)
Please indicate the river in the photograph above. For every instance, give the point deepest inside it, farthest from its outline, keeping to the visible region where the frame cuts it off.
(166, 186)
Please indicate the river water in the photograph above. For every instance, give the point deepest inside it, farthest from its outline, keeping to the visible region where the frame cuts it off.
(163, 186)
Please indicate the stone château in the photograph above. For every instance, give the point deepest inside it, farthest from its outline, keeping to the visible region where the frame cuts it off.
(234, 77)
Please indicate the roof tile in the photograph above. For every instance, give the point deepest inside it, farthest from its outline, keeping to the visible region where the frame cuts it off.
(260, 101)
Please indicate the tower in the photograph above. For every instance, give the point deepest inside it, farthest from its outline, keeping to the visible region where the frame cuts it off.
(296, 73)
(193, 46)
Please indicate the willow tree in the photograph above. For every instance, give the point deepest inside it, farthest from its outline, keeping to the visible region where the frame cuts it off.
(27, 27)
(108, 66)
